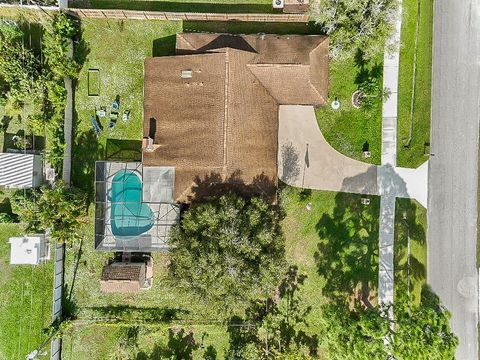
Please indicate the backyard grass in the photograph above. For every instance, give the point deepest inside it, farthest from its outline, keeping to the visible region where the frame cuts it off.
(414, 155)
(331, 214)
(199, 6)
(25, 300)
(349, 130)
(98, 342)
(118, 52)
(410, 221)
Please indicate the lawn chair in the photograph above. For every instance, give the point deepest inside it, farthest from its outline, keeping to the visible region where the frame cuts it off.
(116, 103)
(101, 112)
(96, 128)
(113, 119)
(126, 115)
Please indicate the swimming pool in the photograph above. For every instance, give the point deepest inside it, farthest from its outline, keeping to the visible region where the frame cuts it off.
(129, 216)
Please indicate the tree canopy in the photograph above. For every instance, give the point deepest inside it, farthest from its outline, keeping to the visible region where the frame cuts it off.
(420, 330)
(275, 328)
(57, 208)
(229, 249)
(355, 25)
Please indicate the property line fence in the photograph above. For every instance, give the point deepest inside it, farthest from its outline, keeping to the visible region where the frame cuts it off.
(164, 15)
(161, 15)
(58, 276)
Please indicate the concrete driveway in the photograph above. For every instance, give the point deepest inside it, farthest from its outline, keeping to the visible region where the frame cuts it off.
(306, 159)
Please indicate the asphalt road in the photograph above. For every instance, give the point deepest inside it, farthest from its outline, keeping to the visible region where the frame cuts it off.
(452, 205)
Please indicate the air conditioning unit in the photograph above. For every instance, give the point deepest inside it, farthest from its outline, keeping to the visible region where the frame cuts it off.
(278, 4)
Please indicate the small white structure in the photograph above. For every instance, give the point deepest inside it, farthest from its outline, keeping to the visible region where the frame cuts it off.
(29, 249)
(20, 171)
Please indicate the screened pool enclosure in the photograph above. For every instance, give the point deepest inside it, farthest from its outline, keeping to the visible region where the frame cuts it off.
(135, 209)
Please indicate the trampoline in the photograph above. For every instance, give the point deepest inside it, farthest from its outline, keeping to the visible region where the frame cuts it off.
(129, 216)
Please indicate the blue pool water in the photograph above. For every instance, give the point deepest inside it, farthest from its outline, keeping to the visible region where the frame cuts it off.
(129, 216)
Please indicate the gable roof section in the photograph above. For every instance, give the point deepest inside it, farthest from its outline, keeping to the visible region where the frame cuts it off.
(188, 114)
(288, 84)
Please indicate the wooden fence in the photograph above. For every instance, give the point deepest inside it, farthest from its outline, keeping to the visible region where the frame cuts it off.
(161, 15)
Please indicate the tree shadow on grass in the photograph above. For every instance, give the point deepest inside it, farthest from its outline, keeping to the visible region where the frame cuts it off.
(147, 314)
(180, 6)
(181, 345)
(408, 226)
(81, 49)
(347, 255)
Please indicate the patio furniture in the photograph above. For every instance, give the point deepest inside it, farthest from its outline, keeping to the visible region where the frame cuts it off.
(96, 128)
(116, 103)
(101, 112)
(126, 115)
(113, 119)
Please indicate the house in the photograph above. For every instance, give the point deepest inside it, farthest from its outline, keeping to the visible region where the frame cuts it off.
(211, 111)
(127, 276)
(20, 170)
(29, 249)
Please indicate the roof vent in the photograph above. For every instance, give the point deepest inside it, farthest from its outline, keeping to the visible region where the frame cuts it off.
(187, 74)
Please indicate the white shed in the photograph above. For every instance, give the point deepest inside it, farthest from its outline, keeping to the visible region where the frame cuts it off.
(29, 249)
(21, 171)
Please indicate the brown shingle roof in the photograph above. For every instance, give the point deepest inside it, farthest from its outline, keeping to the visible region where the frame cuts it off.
(123, 278)
(129, 272)
(224, 119)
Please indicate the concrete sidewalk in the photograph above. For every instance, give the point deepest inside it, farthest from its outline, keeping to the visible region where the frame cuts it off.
(391, 184)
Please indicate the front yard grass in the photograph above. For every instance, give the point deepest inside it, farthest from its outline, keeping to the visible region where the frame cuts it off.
(410, 220)
(25, 300)
(414, 155)
(350, 130)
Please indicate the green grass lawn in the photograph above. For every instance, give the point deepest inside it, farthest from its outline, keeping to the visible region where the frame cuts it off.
(410, 221)
(118, 52)
(98, 342)
(350, 130)
(200, 6)
(413, 156)
(25, 300)
(335, 244)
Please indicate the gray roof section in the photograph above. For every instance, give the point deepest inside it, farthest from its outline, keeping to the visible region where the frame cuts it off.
(158, 184)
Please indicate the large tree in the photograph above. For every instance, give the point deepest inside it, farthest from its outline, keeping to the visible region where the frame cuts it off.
(229, 249)
(355, 25)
